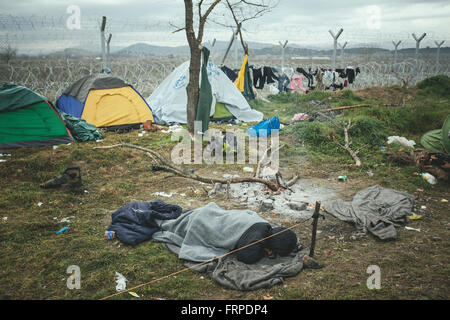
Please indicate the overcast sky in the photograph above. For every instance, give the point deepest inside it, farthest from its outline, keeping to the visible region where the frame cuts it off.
(305, 23)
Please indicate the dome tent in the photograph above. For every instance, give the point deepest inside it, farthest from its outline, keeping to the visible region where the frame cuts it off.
(105, 101)
(28, 119)
(169, 100)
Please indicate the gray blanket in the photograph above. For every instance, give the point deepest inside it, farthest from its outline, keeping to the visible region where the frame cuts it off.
(206, 232)
(209, 232)
(375, 209)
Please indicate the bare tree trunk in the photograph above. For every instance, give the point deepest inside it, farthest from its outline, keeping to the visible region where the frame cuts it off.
(193, 88)
(194, 67)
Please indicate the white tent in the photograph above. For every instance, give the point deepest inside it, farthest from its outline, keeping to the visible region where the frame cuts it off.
(168, 102)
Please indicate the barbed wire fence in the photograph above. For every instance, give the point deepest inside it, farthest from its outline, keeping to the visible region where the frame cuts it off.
(51, 74)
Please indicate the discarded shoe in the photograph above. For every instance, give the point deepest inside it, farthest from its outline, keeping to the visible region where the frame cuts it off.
(71, 178)
(150, 127)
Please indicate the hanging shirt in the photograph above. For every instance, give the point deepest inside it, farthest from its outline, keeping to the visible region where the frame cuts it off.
(297, 83)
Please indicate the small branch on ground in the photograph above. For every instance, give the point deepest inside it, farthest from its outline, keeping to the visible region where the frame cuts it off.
(169, 166)
(347, 143)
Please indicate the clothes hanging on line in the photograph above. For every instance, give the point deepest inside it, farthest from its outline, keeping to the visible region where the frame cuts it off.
(263, 75)
(258, 80)
(283, 83)
(297, 83)
(307, 75)
(230, 73)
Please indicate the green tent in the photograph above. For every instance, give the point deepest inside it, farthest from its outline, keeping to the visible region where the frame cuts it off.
(221, 113)
(28, 119)
(438, 140)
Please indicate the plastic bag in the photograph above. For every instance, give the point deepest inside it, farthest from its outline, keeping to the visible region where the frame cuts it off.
(121, 282)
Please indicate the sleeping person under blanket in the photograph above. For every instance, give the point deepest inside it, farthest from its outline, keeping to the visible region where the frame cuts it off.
(208, 232)
(202, 233)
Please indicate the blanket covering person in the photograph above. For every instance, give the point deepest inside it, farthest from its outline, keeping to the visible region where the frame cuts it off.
(210, 232)
(375, 209)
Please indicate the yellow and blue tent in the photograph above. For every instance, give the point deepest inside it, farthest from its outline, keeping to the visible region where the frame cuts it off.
(105, 101)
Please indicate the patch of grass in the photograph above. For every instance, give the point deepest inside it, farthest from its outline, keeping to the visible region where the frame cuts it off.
(437, 85)
(34, 260)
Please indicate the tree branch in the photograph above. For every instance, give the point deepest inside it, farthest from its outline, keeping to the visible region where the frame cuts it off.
(167, 165)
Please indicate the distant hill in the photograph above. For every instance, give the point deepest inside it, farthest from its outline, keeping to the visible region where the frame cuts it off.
(255, 48)
(147, 50)
(72, 53)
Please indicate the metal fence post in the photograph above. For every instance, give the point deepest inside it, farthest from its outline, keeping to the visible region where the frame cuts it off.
(236, 65)
(282, 53)
(230, 43)
(395, 53)
(102, 40)
(211, 45)
(335, 37)
(416, 56)
(108, 55)
(437, 53)
(342, 53)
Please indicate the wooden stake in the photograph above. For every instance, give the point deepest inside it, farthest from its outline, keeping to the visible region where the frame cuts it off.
(316, 216)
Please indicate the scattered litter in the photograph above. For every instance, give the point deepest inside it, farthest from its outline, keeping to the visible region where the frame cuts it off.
(342, 178)
(1, 160)
(401, 140)
(5, 218)
(415, 216)
(370, 173)
(227, 176)
(383, 147)
(100, 140)
(55, 147)
(299, 117)
(62, 230)
(173, 128)
(413, 229)
(121, 282)
(183, 194)
(5, 155)
(428, 178)
(85, 191)
(163, 194)
(64, 220)
(444, 200)
(247, 169)
(140, 134)
(134, 294)
(40, 204)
